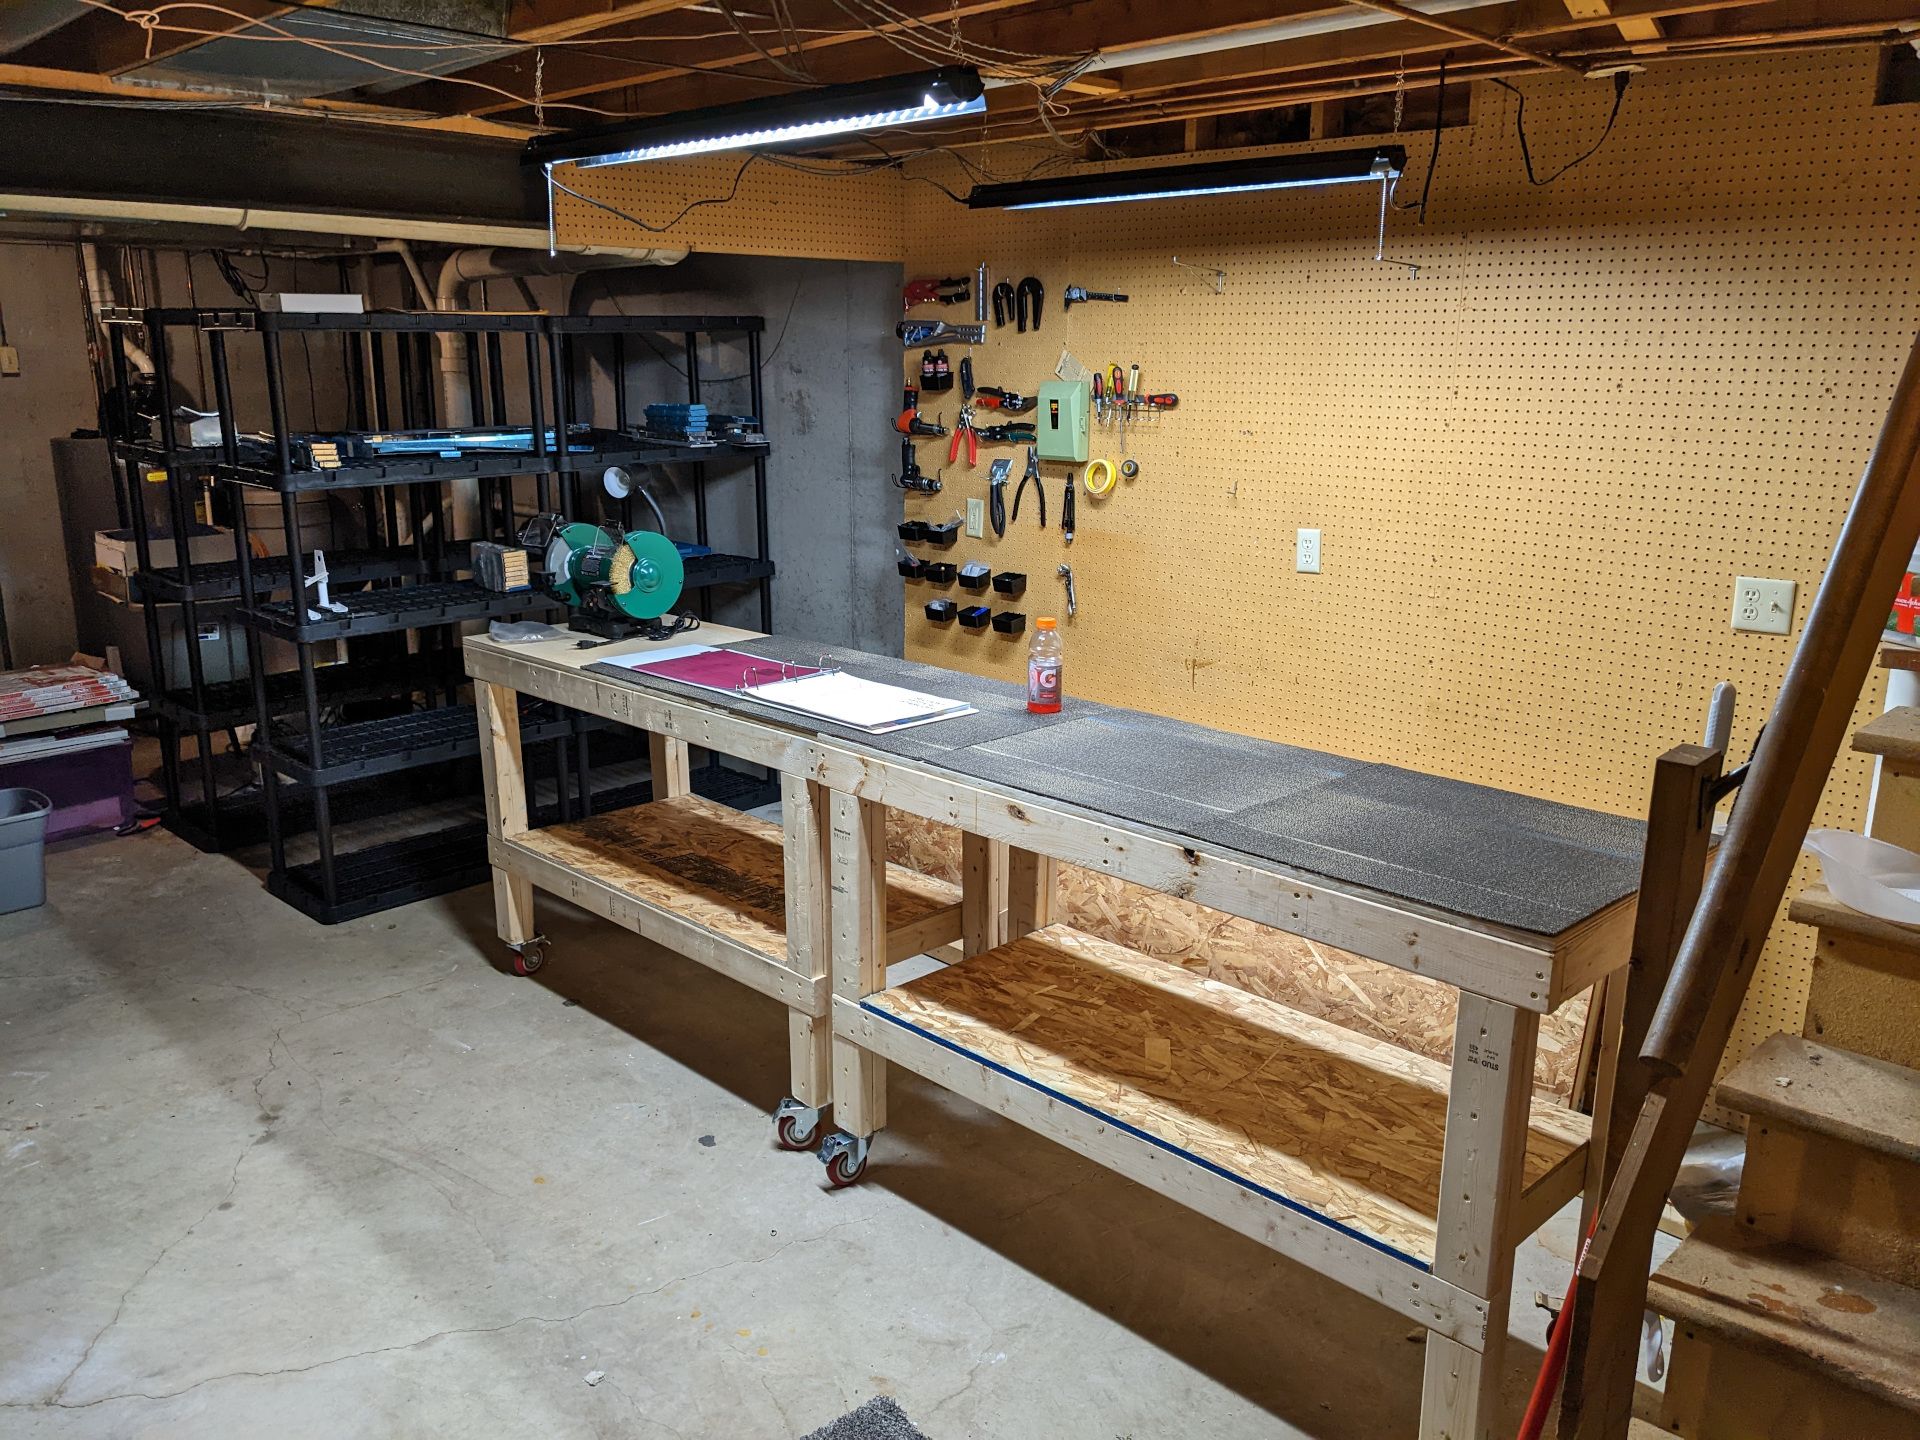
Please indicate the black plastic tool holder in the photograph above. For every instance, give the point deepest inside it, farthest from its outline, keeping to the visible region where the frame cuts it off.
(911, 566)
(975, 617)
(941, 611)
(975, 583)
(1009, 583)
(942, 572)
(945, 536)
(913, 531)
(1009, 622)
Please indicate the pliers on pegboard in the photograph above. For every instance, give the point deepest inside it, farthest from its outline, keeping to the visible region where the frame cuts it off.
(1016, 433)
(964, 425)
(997, 495)
(1003, 303)
(1039, 486)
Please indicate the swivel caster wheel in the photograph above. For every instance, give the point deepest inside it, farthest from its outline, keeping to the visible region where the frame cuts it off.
(845, 1157)
(529, 955)
(796, 1126)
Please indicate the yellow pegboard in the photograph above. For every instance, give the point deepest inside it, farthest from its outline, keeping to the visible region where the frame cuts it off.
(775, 211)
(1537, 467)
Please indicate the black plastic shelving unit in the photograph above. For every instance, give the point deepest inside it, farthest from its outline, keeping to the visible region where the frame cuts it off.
(415, 596)
(628, 445)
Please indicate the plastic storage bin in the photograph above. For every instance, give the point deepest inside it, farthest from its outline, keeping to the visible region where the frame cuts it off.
(23, 849)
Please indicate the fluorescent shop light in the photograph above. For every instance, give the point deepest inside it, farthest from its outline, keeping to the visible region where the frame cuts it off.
(773, 120)
(1211, 177)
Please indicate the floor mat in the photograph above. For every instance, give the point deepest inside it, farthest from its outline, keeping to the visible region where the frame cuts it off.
(878, 1419)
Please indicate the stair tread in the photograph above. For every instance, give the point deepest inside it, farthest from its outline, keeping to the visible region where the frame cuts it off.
(1817, 905)
(1832, 1092)
(1895, 735)
(1802, 1308)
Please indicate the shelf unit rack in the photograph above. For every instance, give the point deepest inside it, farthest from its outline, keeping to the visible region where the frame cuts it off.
(627, 444)
(417, 591)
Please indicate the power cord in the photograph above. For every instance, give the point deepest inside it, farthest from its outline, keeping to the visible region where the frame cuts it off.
(1620, 79)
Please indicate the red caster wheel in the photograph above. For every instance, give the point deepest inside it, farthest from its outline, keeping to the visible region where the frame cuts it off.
(529, 956)
(794, 1132)
(845, 1158)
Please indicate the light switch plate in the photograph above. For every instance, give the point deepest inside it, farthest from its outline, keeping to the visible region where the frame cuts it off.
(1306, 552)
(1765, 606)
(976, 519)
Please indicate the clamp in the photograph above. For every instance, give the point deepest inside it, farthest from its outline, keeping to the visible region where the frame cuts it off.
(1003, 302)
(997, 495)
(1029, 286)
(1039, 486)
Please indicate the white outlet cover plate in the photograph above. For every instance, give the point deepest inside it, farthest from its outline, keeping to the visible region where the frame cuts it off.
(1306, 552)
(1763, 606)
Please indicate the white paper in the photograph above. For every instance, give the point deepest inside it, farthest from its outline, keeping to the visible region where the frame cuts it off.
(640, 659)
(862, 704)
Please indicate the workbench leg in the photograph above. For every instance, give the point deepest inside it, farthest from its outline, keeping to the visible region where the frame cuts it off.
(504, 777)
(803, 814)
(1030, 890)
(983, 894)
(1609, 999)
(668, 760)
(859, 865)
(1481, 1175)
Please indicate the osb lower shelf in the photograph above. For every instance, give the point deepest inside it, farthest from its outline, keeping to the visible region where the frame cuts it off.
(715, 869)
(1345, 1128)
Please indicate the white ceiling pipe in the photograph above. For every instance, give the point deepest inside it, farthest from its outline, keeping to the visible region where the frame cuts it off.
(1300, 27)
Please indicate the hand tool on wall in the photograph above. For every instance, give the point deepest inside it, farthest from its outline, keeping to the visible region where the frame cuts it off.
(1010, 401)
(1066, 513)
(1003, 303)
(980, 293)
(1073, 604)
(909, 421)
(1039, 486)
(924, 291)
(925, 332)
(1099, 397)
(911, 477)
(963, 427)
(1029, 287)
(997, 495)
(1015, 433)
(1079, 295)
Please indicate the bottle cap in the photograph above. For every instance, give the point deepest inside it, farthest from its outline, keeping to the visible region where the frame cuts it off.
(1045, 622)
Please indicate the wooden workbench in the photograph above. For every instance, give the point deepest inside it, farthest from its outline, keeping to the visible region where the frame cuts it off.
(1408, 1180)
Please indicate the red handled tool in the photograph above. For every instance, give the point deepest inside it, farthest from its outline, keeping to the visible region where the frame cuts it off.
(964, 425)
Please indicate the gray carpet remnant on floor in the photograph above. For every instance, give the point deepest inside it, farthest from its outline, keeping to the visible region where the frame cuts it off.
(878, 1419)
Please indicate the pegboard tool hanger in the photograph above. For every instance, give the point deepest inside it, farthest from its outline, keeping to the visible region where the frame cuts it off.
(1219, 275)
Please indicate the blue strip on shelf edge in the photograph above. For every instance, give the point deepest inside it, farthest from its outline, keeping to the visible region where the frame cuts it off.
(1423, 1266)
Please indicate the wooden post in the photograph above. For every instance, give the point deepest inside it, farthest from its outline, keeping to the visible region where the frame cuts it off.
(858, 856)
(803, 814)
(1030, 886)
(1482, 1172)
(983, 894)
(667, 759)
(504, 781)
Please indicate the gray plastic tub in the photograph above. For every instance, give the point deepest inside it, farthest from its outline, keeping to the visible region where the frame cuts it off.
(23, 849)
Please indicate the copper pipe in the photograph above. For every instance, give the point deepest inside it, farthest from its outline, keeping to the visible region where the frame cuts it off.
(1436, 22)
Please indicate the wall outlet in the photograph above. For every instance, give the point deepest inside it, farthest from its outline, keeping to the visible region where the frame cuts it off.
(9, 360)
(976, 519)
(1765, 606)
(1306, 551)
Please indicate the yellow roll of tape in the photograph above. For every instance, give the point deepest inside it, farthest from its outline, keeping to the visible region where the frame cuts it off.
(1103, 468)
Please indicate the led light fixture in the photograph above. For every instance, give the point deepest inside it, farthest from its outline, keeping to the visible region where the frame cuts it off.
(774, 120)
(1211, 177)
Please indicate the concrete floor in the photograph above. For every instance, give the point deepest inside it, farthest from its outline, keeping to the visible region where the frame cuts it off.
(268, 1178)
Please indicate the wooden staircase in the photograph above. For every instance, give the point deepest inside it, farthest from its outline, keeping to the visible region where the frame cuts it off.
(1799, 1316)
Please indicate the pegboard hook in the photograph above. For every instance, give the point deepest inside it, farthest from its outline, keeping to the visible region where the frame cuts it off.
(1219, 275)
(1380, 244)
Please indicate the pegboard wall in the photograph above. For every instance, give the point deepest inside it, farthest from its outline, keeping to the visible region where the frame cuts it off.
(1537, 467)
(774, 211)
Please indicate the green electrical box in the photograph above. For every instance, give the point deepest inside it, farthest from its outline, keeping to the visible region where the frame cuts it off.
(1065, 408)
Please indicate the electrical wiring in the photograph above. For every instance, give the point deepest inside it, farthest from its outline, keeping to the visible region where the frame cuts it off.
(1620, 81)
(667, 356)
(785, 67)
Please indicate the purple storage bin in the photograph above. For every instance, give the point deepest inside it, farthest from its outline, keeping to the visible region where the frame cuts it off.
(91, 789)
